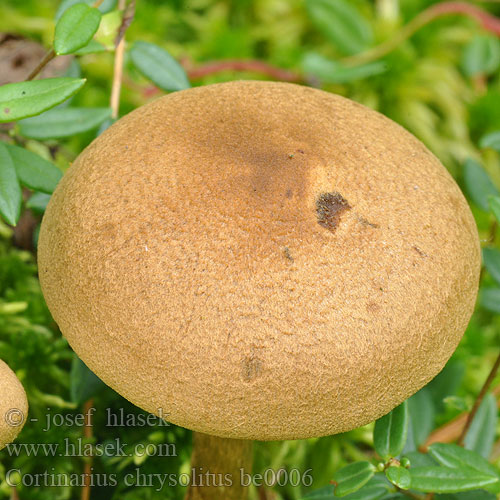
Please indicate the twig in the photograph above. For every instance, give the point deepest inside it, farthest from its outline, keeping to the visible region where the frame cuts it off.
(408, 493)
(97, 3)
(117, 72)
(46, 59)
(451, 431)
(479, 399)
(488, 22)
(251, 65)
(14, 494)
(87, 433)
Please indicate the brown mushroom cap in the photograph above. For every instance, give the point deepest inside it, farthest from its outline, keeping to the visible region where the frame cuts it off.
(13, 405)
(260, 260)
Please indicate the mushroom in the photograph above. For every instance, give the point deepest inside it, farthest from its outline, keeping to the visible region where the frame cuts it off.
(13, 405)
(259, 261)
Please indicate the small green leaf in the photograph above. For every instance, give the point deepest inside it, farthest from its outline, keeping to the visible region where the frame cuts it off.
(76, 28)
(478, 184)
(63, 122)
(109, 29)
(421, 410)
(399, 476)
(10, 190)
(159, 66)
(389, 435)
(341, 23)
(33, 171)
(325, 493)
(489, 298)
(447, 480)
(494, 202)
(329, 71)
(491, 141)
(85, 384)
(38, 202)
(352, 477)
(491, 259)
(20, 100)
(93, 47)
(454, 456)
(105, 6)
(468, 495)
(481, 56)
(481, 434)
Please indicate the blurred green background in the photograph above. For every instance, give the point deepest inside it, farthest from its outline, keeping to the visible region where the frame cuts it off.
(436, 75)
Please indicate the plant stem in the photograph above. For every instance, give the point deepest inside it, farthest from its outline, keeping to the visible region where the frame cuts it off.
(408, 493)
(87, 432)
(117, 72)
(251, 65)
(46, 59)
(488, 22)
(216, 467)
(479, 400)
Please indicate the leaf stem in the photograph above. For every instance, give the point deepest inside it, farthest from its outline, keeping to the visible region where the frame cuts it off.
(117, 72)
(87, 432)
(488, 22)
(46, 59)
(408, 493)
(479, 399)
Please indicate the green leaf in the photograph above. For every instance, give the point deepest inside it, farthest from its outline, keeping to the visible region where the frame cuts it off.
(478, 184)
(491, 259)
(491, 140)
(447, 480)
(76, 28)
(159, 66)
(325, 493)
(481, 434)
(352, 477)
(85, 384)
(93, 47)
(10, 190)
(454, 456)
(389, 435)
(469, 495)
(33, 171)
(106, 6)
(333, 72)
(494, 202)
(20, 100)
(399, 476)
(481, 56)
(341, 23)
(489, 298)
(446, 383)
(109, 29)
(63, 122)
(38, 202)
(421, 410)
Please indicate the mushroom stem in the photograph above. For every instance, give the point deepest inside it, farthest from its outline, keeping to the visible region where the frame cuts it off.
(217, 465)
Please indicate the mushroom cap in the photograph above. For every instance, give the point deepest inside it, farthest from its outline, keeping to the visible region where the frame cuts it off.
(13, 405)
(260, 260)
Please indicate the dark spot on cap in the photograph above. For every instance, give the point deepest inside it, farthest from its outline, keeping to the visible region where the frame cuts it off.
(301, 151)
(6, 111)
(251, 368)
(419, 251)
(287, 253)
(366, 222)
(329, 208)
(289, 193)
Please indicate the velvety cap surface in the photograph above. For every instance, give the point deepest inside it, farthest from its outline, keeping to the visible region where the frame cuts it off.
(260, 260)
(13, 405)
